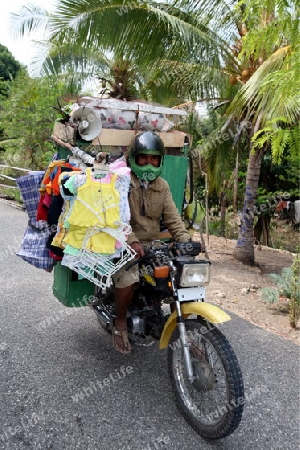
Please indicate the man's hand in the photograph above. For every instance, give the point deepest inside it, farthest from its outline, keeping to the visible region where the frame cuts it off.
(138, 248)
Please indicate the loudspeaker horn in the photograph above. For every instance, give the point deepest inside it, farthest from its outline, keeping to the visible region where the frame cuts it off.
(89, 125)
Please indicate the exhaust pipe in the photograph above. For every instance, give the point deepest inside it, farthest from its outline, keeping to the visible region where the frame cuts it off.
(103, 317)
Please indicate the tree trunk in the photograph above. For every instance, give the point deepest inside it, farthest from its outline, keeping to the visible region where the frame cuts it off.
(244, 249)
(223, 213)
(206, 207)
(235, 183)
(262, 231)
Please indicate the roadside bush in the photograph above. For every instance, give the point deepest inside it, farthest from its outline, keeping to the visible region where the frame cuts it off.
(287, 285)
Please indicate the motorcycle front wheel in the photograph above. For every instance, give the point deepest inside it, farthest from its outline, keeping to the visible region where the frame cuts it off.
(213, 402)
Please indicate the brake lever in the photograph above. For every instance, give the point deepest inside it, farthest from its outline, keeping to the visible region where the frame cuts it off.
(134, 263)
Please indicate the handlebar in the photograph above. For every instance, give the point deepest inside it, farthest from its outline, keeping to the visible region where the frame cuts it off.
(149, 253)
(191, 248)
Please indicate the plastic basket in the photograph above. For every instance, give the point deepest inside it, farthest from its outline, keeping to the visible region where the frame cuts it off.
(96, 268)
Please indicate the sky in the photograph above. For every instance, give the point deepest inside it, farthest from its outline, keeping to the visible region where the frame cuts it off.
(21, 48)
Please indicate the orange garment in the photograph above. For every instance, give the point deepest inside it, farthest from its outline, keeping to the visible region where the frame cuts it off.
(47, 177)
(50, 182)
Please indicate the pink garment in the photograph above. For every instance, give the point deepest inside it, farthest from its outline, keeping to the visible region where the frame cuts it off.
(120, 167)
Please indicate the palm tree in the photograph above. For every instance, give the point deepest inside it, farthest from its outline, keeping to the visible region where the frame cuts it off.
(80, 33)
(269, 102)
(199, 44)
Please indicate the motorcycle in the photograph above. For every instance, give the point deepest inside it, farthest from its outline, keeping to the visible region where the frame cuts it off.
(169, 305)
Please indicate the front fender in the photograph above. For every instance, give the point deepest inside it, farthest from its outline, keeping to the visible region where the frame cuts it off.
(209, 312)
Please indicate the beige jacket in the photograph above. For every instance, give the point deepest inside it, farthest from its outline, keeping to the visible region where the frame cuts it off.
(147, 206)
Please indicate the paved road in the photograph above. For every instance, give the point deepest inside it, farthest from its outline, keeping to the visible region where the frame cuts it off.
(62, 386)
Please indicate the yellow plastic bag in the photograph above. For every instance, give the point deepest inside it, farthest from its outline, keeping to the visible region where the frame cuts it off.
(194, 213)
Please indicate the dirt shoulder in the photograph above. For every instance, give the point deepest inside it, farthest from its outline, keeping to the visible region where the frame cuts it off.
(235, 286)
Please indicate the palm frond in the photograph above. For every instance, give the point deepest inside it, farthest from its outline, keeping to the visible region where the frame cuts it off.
(29, 19)
(140, 30)
(282, 140)
(262, 96)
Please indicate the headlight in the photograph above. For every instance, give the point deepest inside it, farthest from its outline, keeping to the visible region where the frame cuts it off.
(195, 274)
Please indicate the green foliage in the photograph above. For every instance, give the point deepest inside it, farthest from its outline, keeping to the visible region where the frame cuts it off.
(283, 281)
(26, 118)
(216, 148)
(270, 295)
(199, 190)
(215, 228)
(270, 24)
(9, 67)
(280, 138)
(287, 285)
(4, 88)
(276, 179)
(294, 310)
(11, 194)
(282, 130)
(277, 182)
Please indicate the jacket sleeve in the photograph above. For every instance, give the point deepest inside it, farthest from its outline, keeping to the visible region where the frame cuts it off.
(132, 238)
(172, 219)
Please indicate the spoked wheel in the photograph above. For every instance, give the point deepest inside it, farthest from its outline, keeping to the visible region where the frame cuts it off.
(213, 403)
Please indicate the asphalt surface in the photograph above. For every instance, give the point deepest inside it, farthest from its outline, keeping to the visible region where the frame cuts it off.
(64, 387)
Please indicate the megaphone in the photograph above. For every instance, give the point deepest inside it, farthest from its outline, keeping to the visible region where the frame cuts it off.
(89, 125)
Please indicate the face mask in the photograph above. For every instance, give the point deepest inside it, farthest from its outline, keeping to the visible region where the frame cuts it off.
(146, 173)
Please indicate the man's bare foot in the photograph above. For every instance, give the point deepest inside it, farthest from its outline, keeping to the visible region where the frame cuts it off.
(120, 337)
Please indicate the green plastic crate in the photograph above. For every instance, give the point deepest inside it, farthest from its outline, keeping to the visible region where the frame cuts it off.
(174, 171)
(69, 290)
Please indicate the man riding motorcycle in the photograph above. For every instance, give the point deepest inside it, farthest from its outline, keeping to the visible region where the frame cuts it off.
(150, 200)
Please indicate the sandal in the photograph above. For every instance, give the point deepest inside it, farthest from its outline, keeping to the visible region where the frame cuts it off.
(124, 335)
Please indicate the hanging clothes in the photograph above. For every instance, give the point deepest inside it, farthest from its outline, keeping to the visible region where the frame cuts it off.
(94, 225)
(50, 186)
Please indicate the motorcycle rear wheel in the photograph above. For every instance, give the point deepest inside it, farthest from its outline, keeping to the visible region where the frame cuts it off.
(213, 403)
